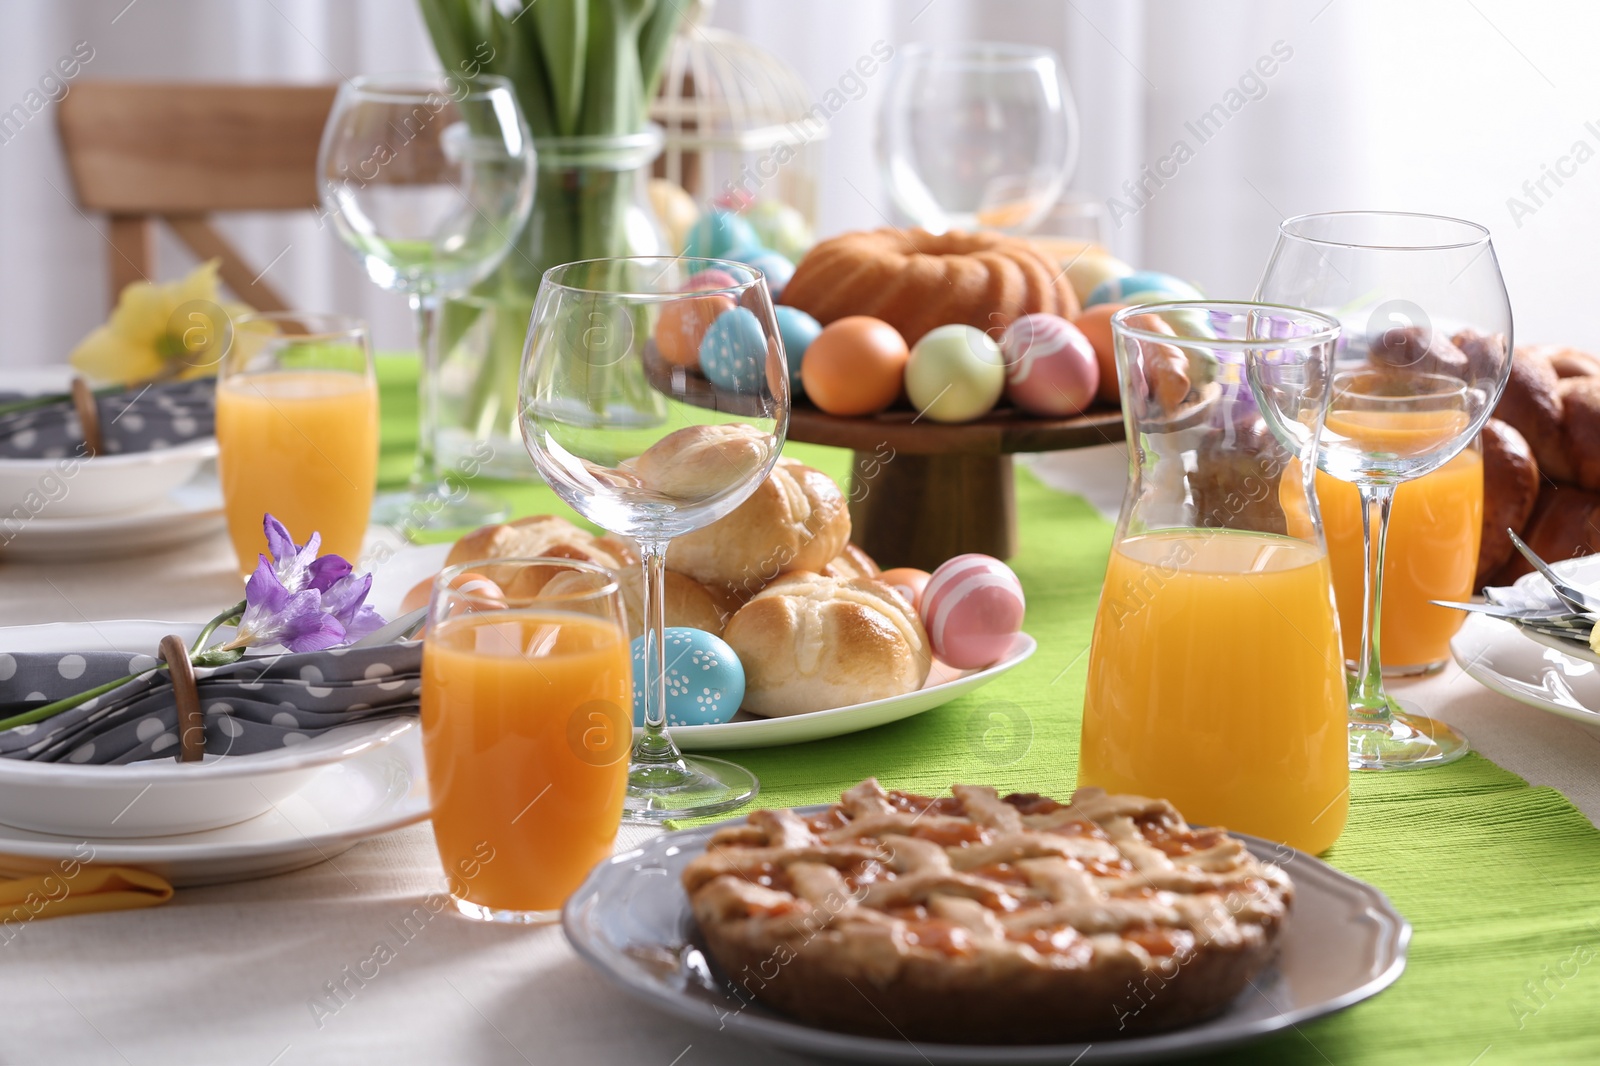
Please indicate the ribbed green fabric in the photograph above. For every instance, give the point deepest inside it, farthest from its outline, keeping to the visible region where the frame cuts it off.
(1501, 880)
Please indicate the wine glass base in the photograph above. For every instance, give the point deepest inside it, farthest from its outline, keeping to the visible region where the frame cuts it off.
(691, 787)
(1404, 742)
(433, 510)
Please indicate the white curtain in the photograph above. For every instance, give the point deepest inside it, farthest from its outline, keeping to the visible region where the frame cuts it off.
(1434, 105)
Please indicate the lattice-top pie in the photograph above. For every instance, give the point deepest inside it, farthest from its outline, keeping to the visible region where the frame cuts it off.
(979, 919)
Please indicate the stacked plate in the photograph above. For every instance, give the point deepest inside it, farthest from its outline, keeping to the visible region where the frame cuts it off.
(109, 505)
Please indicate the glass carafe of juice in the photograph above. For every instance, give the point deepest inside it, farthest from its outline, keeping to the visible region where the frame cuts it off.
(1216, 675)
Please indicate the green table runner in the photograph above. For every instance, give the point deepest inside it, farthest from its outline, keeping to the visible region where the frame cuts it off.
(1501, 880)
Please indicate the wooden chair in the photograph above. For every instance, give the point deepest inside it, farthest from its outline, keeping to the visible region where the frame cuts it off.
(144, 151)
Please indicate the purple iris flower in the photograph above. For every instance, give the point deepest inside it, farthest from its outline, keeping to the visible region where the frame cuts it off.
(303, 602)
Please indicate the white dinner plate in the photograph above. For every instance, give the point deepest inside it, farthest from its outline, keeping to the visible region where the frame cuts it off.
(160, 796)
(188, 513)
(377, 791)
(396, 575)
(1512, 663)
(1344, 942)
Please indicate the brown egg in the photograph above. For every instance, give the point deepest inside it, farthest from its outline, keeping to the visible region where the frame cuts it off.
(683, 324)
(909, 582)
(856, 366)
(1095, 324)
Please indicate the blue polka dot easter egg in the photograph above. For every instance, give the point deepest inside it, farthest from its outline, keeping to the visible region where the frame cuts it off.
(705, 680)
(733, 353)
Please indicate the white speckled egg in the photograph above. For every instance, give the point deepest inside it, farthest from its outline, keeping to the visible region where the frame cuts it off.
(955, 374)
(705, 680)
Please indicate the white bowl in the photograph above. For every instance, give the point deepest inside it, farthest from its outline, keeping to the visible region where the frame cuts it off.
(160, 797)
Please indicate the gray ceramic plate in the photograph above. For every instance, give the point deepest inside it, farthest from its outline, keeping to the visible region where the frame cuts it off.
(631, 921)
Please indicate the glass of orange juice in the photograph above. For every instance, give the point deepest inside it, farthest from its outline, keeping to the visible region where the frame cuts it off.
(1435, 524)
(1216, 679)
(527, 721)
(297, 430)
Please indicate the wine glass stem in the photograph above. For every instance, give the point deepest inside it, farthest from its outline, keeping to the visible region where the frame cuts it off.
(654, 746)
(1367, 697)
(425, 472)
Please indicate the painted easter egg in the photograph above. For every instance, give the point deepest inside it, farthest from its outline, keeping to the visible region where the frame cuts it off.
(972, 609)
(1142, 287)
(733, 353)
(780, 227)
(709, 279)
(777, 269)
(705, 680)
(720, 235)
(855, 366)
(1050, 366)
(675, 208)
(908, 581)
(797, 330)
(682, 326)
(1095, 324)
(955, 374)
(1092, 268)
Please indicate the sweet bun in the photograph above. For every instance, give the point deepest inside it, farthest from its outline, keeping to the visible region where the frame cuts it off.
(810, 643)
(1565, 523)
(686, 601)
(796, 519)
(1530, 405)
(852, 563)
(536, 535)
(701, 461)
(1569, 362)
(1510, 489)
(1580, 428)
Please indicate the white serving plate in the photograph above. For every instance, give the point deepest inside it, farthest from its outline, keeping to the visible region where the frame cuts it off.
(392, 579)
(184, 515)
(379, 790)
(630, 920)
(160, 796)
(105, 485)
(1543, 674)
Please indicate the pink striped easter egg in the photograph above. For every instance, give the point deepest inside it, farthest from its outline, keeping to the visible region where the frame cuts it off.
(1050, 366)
(972, 608)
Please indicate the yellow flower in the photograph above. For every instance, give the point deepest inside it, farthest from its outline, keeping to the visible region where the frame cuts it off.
(174, 329)
(1594, 640)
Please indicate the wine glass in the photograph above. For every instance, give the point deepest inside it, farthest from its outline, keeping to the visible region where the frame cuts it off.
(628, 432)
(427, 179)
(1424, 354)
(978, 134)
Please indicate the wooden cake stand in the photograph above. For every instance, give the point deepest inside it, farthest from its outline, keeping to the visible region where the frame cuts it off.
(920, 491)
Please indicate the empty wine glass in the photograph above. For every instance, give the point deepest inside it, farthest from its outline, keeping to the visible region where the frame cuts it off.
(1423, 356)
(636, 440)
(427, 179)
(978, 134)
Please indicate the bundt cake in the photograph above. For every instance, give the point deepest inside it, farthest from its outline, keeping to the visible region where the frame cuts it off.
(915, 280)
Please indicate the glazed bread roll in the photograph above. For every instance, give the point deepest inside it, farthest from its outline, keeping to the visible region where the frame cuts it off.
(795, 520)
(852, 562)
(700, 461)
(1510, 489)
(1568, 362)
(810, 642)
(1580, 428)
(527, 538)
(1530, 405)
(688, 603)
(1565, 523)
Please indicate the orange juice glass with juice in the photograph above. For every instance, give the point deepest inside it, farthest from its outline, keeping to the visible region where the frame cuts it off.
(1215, 674)
(527, 721)
(297, 431)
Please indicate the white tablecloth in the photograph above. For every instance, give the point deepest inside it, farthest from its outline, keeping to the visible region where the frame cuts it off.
(229, 973)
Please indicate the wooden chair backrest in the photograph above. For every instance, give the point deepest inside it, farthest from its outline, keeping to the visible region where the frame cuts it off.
(143, 151)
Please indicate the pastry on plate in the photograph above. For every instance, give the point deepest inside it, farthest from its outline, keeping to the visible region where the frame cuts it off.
(812, 643)
(979, 919)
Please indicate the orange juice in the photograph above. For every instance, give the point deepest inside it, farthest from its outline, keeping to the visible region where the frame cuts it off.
(526, 723)
(1401, 433)
(1432, 554)
(303, 445)
(1215, 682)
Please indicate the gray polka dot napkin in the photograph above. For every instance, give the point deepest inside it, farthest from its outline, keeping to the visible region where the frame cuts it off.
(257, 704)
(138, 420)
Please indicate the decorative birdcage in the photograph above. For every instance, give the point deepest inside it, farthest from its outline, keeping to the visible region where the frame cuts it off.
(742, 135)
